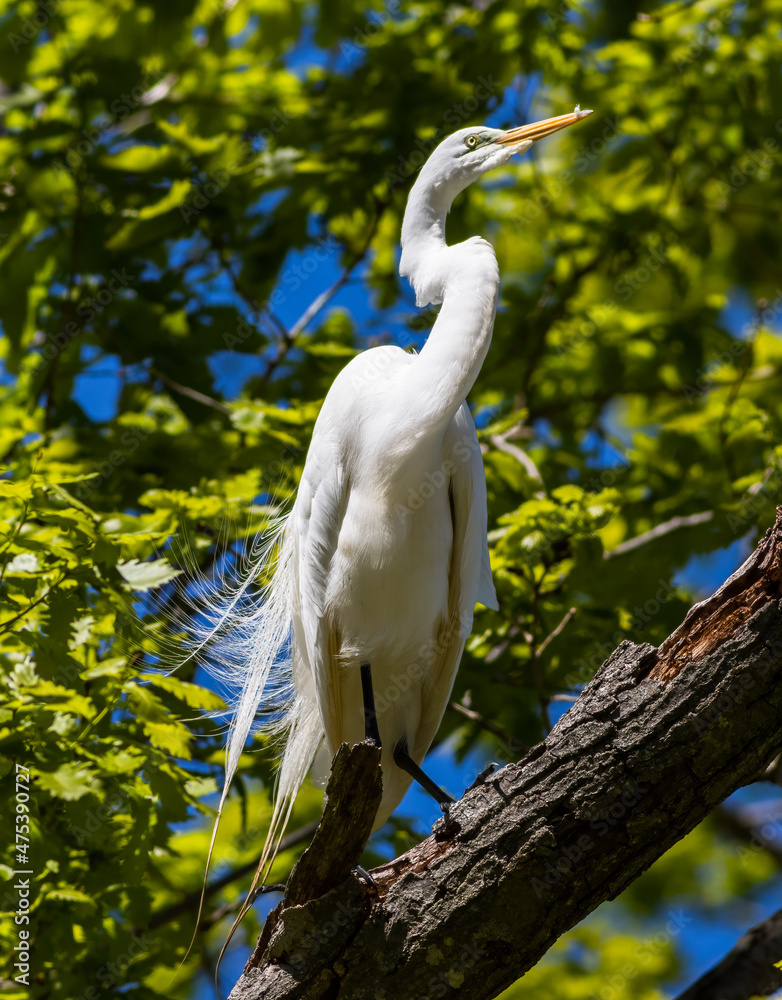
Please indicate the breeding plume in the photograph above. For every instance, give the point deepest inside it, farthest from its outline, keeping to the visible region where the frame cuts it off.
(382, 558)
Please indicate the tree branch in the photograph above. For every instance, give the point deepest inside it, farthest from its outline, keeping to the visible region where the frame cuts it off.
(321, 300)
(748, 970)
(655, 742)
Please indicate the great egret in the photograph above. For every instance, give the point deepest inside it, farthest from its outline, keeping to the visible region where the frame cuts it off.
(384, 554)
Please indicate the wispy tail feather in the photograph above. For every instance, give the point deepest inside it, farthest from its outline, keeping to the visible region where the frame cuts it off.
(242, 636)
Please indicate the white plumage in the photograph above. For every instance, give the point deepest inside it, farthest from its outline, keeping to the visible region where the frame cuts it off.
(384, 553)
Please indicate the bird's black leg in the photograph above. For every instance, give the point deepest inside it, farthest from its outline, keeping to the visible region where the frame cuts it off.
(371, 731)
(403, 759)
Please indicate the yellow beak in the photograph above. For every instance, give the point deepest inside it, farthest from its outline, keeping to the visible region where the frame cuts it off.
(537, 130)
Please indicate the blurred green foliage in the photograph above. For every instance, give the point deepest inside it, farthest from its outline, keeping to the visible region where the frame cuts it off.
(176, 176)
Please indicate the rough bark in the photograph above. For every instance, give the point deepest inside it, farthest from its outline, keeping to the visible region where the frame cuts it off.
(655, 742)
(352, 798)
(748, 970)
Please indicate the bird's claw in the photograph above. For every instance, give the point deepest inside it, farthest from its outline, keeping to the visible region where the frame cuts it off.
(484, 774)
(261, 889)
(450, 825)
(364, 874)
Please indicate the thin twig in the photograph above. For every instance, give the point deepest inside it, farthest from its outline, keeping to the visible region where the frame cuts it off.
(282, 331)
(534, 653)
(122, 350)
(185, 390)
(189, 903)
(496, 651)
(4, 626)
(487, 724)
(320, 301)
(552, 635)
(684, 521)
(500, 441)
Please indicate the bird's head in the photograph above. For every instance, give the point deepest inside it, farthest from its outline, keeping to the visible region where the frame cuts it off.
(467, 154)
(458, 161)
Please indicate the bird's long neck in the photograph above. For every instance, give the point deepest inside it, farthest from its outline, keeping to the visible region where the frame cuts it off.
(465, 279)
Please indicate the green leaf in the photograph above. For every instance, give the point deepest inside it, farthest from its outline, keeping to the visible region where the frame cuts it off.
(69, 782)
(172, 737)
(192, 694)
(69, 895)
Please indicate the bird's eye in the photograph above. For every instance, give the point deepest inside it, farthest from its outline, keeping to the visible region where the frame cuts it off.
(471, 141)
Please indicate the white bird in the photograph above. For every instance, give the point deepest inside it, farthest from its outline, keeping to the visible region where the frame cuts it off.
(384, 554)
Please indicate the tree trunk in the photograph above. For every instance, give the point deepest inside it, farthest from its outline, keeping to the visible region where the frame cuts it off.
(655, 742)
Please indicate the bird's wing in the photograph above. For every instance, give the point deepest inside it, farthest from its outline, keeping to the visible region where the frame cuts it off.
(470, 579)
(315, 521)
(468, 486)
